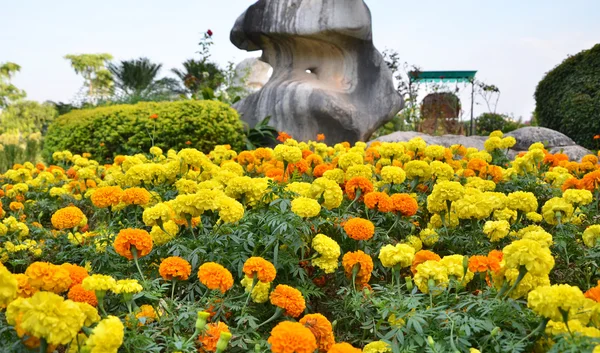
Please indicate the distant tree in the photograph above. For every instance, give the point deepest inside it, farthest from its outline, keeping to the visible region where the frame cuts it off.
(9, 92)
(27, 117)
(198, 74)
(92, 67)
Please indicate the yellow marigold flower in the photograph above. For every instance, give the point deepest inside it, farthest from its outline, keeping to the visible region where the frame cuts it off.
(400, 254)
(534, 217)
(350, 159)
(416, 144)
(557, 210)
(415, 242)
(160, 236)
(578, 197)
(47, 315)
(263, 269)
(377, 347)
(456, 266)
(336, 175)
(555, 328)
(215, 276)
(417, 170)
(442, 171)
(365, 171)
(329, 190)
(433, 270)
(591, 235)
(492, 143)
(551, 301)
(9, 286)
(48, 277)
(300, 188)
(106, 337)
(107, 196)
(305, 207)
(127, 286)
(289, 154)
(68, 217)
(99, 283)
(359, 228)
(136, 196)
(496, 230)
(230, 210)
(260, 292)
(522, 201)
(290, 336)
(529, 253)
(429, 237)
(329, 250)
(91, 314)
(393, 175)
(157, 214)
(289, 299)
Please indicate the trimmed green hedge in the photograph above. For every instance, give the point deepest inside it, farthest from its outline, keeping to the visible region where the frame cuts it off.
(125, 129)
(568, 97)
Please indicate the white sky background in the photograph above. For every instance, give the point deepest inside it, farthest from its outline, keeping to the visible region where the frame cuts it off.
(511, 43)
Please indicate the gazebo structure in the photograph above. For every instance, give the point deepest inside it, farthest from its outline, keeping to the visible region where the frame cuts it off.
(445, 77)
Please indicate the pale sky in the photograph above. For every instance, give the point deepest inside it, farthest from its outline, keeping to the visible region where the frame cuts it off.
(511, 43)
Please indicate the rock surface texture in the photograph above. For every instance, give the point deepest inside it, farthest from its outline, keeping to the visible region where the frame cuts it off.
(252, 74)
(327, 75)
(554, 141)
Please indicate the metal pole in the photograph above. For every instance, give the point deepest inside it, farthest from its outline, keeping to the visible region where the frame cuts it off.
(472, 103)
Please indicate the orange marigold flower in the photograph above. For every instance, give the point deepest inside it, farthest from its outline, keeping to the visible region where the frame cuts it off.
(107, 196)
(320, 137)
(477, 164)
(594, 293)
(263, 153)
(292, 337)
(289, 299)
(153, 116)
(136, 196)
(494, 259)
(48, 277)
(343, 348)
(381, 200)
(422, 256)
(215, 276)
(133, 237)
(306, 153)
(264, 270)
(365, 263)
(478, 263)
(24, 290)
(571, 183)
(77, 273)
(68, 217)
(319, 170)
(79, 294)
(275, 173)
(301, 166)
(404, 204)
(175, 267)
(283, 136)
(209, 338)
(591, 180)
(322, 330)
(146, 315)
(245, 158)
(356, 184)
(314, 159)
(359, 228)
(16, 206)
(596, 137)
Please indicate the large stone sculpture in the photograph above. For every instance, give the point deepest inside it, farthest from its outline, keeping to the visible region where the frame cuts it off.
(327, 75)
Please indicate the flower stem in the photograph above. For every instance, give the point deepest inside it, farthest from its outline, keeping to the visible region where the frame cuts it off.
(135, 259)
(173, 289)
(43, 345)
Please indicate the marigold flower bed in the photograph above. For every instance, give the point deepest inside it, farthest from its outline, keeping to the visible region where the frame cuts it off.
(387, 247)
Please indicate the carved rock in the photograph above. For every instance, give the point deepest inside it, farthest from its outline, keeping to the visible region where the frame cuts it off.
(252, 74)
(327, 75)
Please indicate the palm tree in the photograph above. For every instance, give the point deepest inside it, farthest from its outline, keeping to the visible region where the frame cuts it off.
(198, 74)
(137, 80)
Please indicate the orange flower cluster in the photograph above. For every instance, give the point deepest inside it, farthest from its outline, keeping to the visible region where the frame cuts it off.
(359, 228)
(136, 196)
(283, 136)
(107, 196)
(175, 267)
(16, 206)
(48, 277)
(422, 256)
(288, 298)
(358, 183)
(215, 276)
(322, 330)
(133, 237)
(594, 293)
(77, 273)
(379, 200)
(67, 218)
(344, 348)
(405, 204)
(292, 337)
(25, 290)
(209, 338)
(365, 263)
(264, 270)
(79, 294)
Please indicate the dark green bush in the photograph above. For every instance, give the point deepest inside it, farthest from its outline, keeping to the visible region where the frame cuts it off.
(568, 97)
(488, 122)
(125, 129)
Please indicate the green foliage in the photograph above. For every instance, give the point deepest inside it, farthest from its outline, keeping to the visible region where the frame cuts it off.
(92, 67)
(19, 148)
(488, 122)
(27, 117)
(108, 131)
(568, 97)
(8, 91)
(198, 74)
(261, 135)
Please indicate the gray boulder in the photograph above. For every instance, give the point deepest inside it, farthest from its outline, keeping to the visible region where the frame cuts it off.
(575, 152)
(526, 136)
(443, 140)
(327, 75)
(252, 74)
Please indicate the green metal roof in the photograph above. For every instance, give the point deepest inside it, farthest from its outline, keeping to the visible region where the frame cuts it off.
(442, 76)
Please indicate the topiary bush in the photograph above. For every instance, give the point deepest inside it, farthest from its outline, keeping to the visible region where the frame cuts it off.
(489, 122)
(568, 97)
(125, 129)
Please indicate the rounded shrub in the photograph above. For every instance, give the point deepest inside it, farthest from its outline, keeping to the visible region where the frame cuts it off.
(568, 97)
(125, 129)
